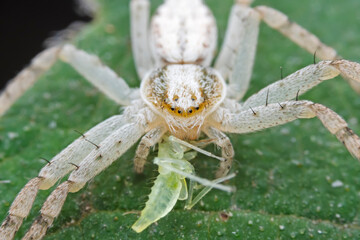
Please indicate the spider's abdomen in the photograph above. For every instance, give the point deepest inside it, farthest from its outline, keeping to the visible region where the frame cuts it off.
(183, 31)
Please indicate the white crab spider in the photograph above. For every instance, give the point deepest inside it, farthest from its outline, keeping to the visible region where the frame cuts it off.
(208, 105)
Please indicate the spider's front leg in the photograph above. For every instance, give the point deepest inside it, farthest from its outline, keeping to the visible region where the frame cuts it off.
(96, 161)
(303, 80)
(57, 168)
(227, 150)
(274, 114)
(264, 109)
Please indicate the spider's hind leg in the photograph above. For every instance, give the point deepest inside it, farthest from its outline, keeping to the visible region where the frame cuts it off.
(89, 66)
(140, 14)
(27, 77)
(236, 58)
(302, 37)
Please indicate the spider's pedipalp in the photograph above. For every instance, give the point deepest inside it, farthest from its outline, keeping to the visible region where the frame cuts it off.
(147, 141)
(303, 80)
(227, 149)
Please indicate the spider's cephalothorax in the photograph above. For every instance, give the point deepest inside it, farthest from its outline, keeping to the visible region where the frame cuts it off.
(184, 94)
(180, 93)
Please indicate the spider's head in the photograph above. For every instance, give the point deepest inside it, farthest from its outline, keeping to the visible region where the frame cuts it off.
(183, 90)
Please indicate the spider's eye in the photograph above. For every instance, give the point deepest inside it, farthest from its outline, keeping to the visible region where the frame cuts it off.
(176, 98)
(197, 108)
(190, 111)
(193, 98)
(179, 111)
(172, 109)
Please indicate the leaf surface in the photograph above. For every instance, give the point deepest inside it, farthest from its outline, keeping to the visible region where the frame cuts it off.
(293, 181)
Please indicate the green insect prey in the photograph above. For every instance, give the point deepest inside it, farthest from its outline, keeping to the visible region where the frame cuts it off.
(170, 185)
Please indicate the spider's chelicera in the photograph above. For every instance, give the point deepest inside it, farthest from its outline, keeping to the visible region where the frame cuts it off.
(180, 93)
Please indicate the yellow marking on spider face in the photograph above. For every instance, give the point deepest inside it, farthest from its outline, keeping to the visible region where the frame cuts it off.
(179, 112)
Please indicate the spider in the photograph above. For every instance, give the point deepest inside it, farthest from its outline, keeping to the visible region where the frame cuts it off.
(180, 93)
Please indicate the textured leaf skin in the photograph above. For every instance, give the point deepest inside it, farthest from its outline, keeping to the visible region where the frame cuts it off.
(284, 174)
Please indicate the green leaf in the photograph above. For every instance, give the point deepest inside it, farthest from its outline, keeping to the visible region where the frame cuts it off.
(284, 174)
